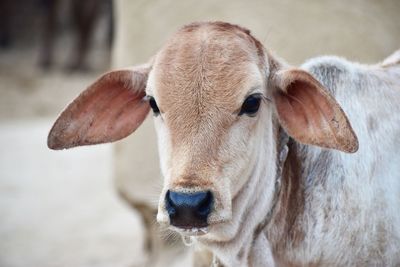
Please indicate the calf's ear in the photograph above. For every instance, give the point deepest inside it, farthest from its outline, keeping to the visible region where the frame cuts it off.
(108, 110)
(309, 114)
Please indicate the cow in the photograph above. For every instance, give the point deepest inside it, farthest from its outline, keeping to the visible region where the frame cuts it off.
(263, 163)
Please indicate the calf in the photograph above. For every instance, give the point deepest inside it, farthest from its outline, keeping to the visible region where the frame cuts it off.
(252, 149)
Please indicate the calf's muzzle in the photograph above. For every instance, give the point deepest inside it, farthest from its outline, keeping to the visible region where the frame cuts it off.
(188, 210)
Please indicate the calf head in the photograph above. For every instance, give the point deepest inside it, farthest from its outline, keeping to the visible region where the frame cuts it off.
(218, 98)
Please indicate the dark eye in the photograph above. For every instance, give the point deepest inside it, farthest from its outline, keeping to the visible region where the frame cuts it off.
(153, 105)
(251, 105)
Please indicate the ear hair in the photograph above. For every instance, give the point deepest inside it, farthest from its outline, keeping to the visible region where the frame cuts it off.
(108, 110)
(309, 113)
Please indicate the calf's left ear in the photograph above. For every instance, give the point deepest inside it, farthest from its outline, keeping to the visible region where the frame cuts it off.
(309, 114)
(108, 110)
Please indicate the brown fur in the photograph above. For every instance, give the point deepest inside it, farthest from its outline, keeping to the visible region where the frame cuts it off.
(191, 182)
(209, 65)
(285, 232)
(200, 79)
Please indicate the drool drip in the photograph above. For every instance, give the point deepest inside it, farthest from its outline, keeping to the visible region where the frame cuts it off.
(187, 240)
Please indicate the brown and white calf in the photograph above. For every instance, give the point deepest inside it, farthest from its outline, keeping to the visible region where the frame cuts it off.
(255, 153)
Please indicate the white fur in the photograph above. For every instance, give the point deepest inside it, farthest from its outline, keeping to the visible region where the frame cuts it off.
(363, 189)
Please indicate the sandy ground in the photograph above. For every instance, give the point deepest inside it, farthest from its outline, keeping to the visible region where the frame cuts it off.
(58, 208)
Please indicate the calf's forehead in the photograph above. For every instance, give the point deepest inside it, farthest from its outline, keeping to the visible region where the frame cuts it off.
(207, 64)
(200, 78)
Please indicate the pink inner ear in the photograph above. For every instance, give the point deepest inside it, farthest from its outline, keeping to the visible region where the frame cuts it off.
(311, 115)
(312, 111)
(109, 110)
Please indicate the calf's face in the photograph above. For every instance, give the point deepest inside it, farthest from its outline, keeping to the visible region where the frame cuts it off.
(207, 90)
(216, 97)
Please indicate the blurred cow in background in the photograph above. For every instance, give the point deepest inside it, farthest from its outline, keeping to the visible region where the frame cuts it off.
(83, 18)
(45, 22)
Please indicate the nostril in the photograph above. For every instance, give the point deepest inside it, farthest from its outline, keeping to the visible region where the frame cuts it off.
(171, 211)
(169, 205)
(204, 207)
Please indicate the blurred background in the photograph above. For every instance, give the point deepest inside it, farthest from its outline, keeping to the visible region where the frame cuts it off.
(64, 208)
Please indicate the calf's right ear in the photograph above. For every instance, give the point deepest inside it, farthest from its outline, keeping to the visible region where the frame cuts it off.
(108, 110)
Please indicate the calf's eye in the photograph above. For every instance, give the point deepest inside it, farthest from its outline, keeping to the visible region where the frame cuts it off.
(251, 105)
(153, 105)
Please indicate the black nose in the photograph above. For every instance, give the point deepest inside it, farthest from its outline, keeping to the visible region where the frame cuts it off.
(188, 210)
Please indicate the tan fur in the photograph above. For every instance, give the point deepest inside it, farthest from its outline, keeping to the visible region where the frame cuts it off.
(392, 60)
(269, 204)
(200, 76)
(290, 204)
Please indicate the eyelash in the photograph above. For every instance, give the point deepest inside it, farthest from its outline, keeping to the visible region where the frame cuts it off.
(153, 105)
(251, 105)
